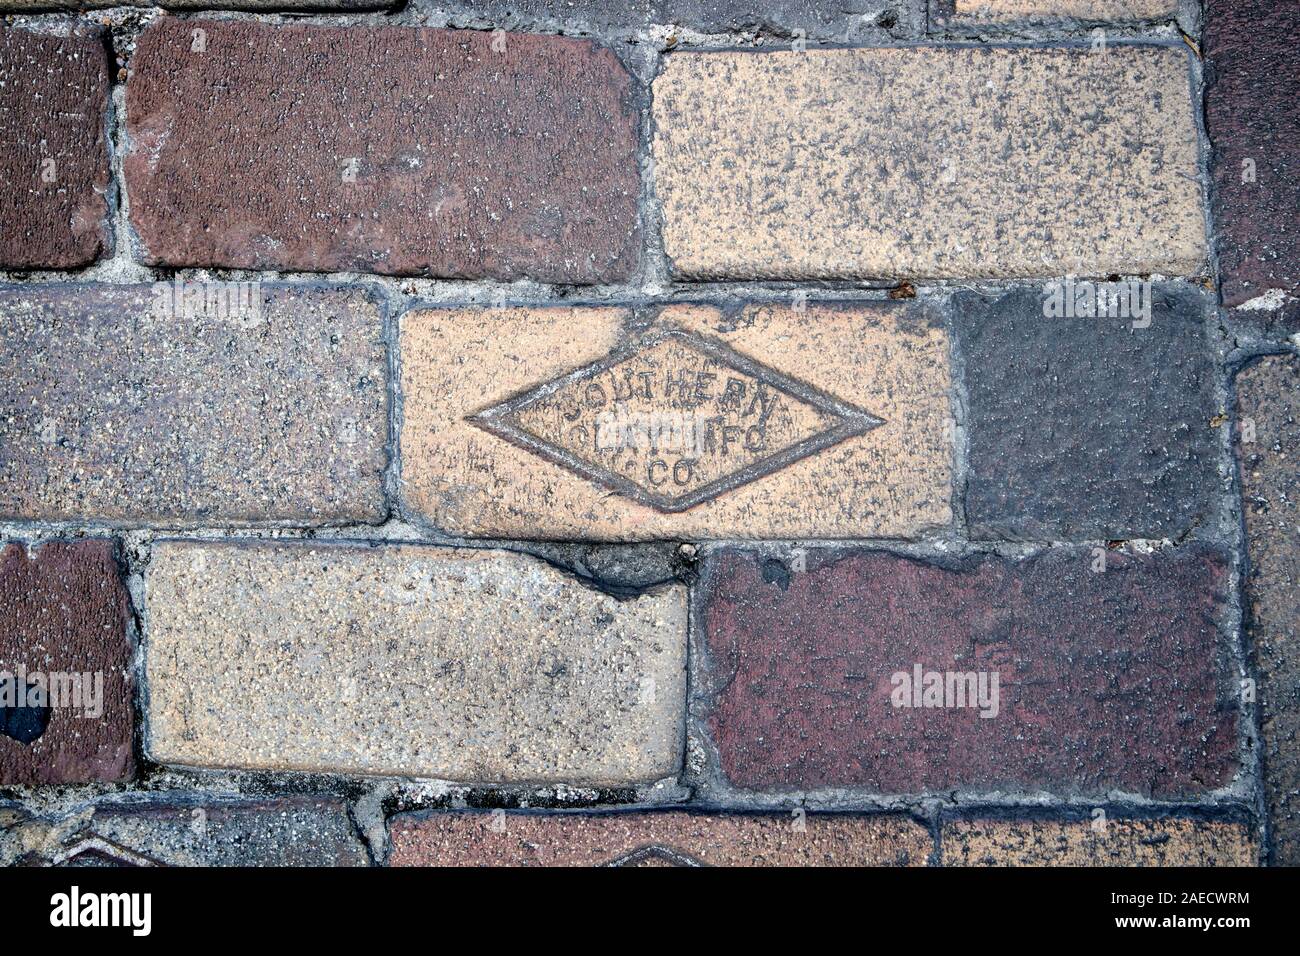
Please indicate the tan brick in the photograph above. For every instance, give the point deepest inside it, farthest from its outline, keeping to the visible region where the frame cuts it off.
(1059, 9)
(830, 421)
(656, 838)
(947, 163)
(476, 666)
(1119, 843)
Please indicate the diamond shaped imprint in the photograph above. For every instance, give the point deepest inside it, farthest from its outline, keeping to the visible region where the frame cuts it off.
(674, 420)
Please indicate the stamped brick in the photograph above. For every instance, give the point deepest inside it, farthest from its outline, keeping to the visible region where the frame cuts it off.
(1252, 109)
(242, 403)
(1100, 10)
(389, 150)
(761, 421)
(291, 831)
(53, 148)
(1268, 444)
(63, 645)
(1167, 842)
(762, 169)
(475, 666)
(1106, 680)
(660, 838)
(1087, 428)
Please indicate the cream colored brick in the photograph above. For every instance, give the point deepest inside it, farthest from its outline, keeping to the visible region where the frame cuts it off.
(1116, 843)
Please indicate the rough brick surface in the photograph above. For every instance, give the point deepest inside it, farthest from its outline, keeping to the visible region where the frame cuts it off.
(390, 150)
(1252, 111)
(667, 838)
(63, 612)
(1171, 842)
(1118, 10)
(269, 5)
(294, 831)
(1087, 428)
(830, 421)
(477, 666)
(761, 168)
(1106, 680)
(837, 18)
(1268, 403)
(53, 148)
(116, 410)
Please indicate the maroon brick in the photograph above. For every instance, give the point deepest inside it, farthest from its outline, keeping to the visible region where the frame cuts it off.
(1111, 679)
(382, 149)
(53, 148)
(1252, 113)
(63, 611)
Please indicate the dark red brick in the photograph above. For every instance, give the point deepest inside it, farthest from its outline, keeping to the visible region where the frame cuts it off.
(1252, 113)
(468, 162)
(53, 149)
(1113, 679)
(63, 610)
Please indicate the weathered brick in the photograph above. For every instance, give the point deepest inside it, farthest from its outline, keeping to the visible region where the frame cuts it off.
(53, 148)
(120, 409)
(292, 831)
(657, 838)
(1252, 110)
(1165, 842)
(1099, 10)
(1006, 168)
(1268, 410)
(1106, 680)
(382, 149)
(830, 420)
(63, 612)
(477, 666)
(342, 5)
(1087, 428)
(817, 18)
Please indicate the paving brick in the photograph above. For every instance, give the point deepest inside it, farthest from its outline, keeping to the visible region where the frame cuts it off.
(817, 18)
(63, 643)
(475, 666)
(826, 420)
(252, 403)
(1105, 680)
(389, 150)
(762, 170)
(1252, 109)
(292, 831)
(1087, 428)
(53, 148)
(1170, 842)
(342, 5)
(1100, 10)
(660, 838)
(1268, 410)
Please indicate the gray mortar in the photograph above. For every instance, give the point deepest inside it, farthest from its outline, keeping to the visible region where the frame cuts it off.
(627, 569)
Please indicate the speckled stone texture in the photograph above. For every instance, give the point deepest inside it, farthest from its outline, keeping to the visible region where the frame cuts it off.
(1268, 402)
(117, 409)
(1166, 842)
(928, 162)
(667, 838)
(1252, 110)
(1111, 680)
(53, 148)
(1038, 10)
(63, 612)
(390, 150)
(817, 18)
(1087, 428)
(885, 360)
(473, 666)
(291, 831)
(268, 5)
